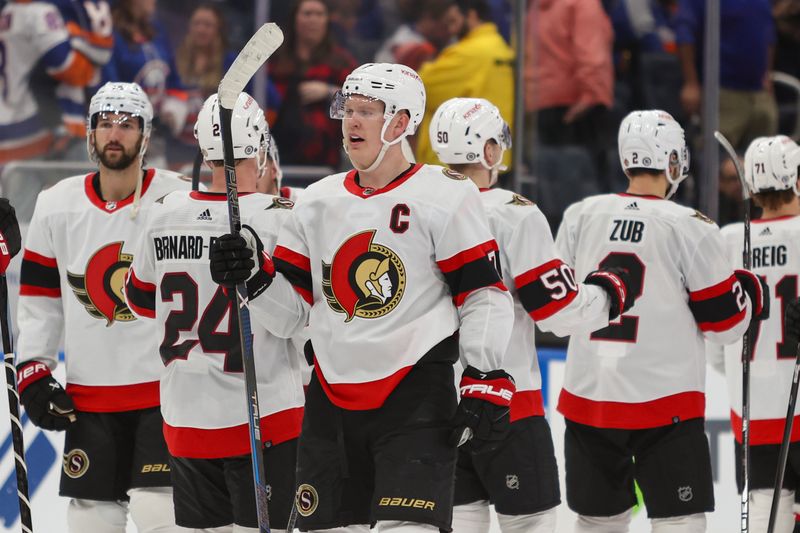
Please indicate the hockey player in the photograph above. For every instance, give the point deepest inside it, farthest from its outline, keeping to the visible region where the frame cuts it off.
(633, 395)
(771, 171)
(269, 182)
(202, 388)
(77, 251)
(32, 33)
(470, 135)
(389, 265)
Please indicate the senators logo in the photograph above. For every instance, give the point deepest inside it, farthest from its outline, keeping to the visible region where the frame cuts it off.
(100, 289)
(365, 279)
(518, 199)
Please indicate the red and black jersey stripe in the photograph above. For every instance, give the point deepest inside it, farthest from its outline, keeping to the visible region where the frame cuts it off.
(140, 296)
(297, 269)
(715, 308)
(539, 300)
(471, 270)
(39, 276)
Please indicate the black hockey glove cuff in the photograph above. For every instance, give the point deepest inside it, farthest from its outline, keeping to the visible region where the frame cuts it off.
(10, 240)
(758, 291)
(483, 412)
(233, 261)
(48, 405)
(792, 321)
(616, 282)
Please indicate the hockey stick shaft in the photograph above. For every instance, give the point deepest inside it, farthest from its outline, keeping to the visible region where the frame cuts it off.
(784, 453)
(25, 518)
(196, 167)
(257, 50)
(747, 345)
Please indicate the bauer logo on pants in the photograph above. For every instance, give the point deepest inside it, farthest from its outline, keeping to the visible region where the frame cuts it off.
(76, 463)
(307, 500)
(364, 279)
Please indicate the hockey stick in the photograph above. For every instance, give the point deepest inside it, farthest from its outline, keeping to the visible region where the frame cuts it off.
(747, 344)
(261, 45)
(784, 453)
(25, 518)
(196, 167)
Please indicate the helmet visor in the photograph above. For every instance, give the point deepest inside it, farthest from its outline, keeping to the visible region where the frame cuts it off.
(505, 137)
(349, 106)
(112, 117)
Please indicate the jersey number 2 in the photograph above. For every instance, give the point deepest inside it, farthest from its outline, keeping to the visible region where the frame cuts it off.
(626, 327)
(184, 319)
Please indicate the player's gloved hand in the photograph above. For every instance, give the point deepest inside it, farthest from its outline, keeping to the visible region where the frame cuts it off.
(616, 282)
(48, 405)
(758, 291)
(10, 240)
(791, 321)
(241, 259)
(483, 412)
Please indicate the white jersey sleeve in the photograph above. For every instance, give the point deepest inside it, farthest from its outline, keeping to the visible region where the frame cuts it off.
(40, 312)
(486, 310)
(546, 285)
(283, 307)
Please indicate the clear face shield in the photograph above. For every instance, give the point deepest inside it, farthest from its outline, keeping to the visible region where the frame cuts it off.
(504, 142)
(365, 109)
(678, 169)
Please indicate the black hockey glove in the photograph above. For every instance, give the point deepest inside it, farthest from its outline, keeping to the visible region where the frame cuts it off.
(758, 291)
(792, 322)
(48, 405)
(616, 282)
(483, 412)
(232, 262)
(10, 240)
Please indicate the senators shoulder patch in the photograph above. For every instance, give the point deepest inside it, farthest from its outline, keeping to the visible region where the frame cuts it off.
(518, 199)
(280, 203)
(700, 216)
(453, 175)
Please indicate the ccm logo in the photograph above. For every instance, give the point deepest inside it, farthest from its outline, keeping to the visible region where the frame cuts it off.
(478, 389)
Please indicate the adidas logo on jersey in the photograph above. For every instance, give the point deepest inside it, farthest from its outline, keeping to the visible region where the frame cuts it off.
(765, 231)
(632, 205)
(205, 215)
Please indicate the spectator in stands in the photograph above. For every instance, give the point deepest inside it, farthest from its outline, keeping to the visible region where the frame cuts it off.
(747, 37)
(480, 64)
(307, 70)
(32, 33)
(569, 74)
(143, 54)
(358, 26)
(731, 206)
(418, 39)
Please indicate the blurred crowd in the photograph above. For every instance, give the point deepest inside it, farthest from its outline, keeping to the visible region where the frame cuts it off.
(587, 63)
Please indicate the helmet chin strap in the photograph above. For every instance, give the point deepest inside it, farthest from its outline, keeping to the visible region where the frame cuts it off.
(494, 170)
(386, 144)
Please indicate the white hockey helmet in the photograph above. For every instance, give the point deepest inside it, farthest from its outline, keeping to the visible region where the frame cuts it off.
(399, 88)
(118, 98)
(249, 130)
(771, 164)
(461, 127)
(654, 140)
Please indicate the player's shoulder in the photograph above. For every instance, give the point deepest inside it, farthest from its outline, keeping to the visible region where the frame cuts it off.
(441, 186)
(510, 207)
(168, 180)
(733, 229)
(65, 189)
(325, 186)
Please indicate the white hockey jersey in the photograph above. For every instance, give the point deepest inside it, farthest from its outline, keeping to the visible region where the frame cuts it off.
(647, 369)
(203, 397)
(77, 251)
(31, 33)
(776, 257)
(383, 276)
(543, 288)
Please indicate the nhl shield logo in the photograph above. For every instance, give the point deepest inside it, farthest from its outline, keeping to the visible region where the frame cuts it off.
(100, 288)
(364, 279)
(512, 481)
(685, 493)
